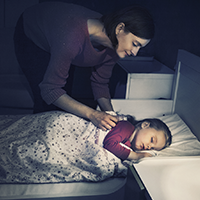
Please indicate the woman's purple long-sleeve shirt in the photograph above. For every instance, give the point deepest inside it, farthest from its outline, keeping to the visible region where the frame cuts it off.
(61, 29)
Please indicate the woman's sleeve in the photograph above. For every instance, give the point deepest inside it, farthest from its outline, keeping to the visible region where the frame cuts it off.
(100, 79)
(57, 71)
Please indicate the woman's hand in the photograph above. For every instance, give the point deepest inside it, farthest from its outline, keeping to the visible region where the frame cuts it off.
(98, 118)
(103, 120)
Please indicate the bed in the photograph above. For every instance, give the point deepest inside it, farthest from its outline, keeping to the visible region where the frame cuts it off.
(174, 173)
(171, 165)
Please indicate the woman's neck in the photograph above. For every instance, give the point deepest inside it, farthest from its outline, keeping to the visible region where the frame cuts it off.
(97, 34)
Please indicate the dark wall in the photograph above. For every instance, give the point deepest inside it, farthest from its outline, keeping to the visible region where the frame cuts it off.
(177, 24)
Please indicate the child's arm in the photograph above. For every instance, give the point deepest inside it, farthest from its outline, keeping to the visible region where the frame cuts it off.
(137, 156)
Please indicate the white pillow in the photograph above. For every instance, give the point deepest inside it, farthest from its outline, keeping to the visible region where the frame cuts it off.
(184, 142)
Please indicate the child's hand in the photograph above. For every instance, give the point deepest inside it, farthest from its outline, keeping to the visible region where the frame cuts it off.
(144, 155)
(138, 155)
(147, 154)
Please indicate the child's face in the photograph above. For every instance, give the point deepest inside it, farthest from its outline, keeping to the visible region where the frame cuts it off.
(148, 138)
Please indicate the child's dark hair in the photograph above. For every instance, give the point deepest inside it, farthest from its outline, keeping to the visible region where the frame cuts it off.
(155, 123)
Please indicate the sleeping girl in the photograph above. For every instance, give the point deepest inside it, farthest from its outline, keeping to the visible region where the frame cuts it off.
(127, 139)
(60, 147)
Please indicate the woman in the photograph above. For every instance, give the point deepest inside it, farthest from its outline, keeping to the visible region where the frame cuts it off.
(49, 37)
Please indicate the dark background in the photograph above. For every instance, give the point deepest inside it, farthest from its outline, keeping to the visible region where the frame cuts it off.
(177, 27)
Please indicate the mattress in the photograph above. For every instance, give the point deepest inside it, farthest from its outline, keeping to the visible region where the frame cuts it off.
(23, 191)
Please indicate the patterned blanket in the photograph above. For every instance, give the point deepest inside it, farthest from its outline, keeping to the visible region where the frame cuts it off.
(53, 147)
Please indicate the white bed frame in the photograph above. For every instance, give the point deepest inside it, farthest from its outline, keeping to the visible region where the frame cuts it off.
(185, 102)
(169, 178)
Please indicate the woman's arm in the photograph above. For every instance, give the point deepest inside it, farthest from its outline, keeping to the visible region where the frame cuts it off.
(105, 104)
(98, 118)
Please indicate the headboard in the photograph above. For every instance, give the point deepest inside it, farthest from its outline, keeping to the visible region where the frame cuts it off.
(186, 91)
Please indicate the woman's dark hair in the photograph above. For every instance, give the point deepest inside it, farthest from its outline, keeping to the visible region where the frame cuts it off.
(155, 123)
(137, 20)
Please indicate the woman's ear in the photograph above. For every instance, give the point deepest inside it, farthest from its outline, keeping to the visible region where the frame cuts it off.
(145, 124)
(120, 27)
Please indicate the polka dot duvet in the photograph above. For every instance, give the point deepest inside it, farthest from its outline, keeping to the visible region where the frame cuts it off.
(53, 147)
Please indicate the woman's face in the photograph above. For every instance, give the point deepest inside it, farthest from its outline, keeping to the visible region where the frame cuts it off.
(147, 138)
(128, 43)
